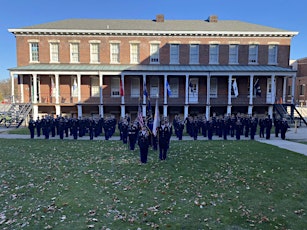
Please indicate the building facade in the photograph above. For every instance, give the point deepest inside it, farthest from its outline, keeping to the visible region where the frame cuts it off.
(98, 67)
(300, 66)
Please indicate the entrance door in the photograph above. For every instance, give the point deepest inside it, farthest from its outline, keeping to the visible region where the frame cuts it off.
(193, 90)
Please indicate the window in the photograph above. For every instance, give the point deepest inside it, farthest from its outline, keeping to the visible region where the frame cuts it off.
(135, 87)
(95, 87)
(154, 53)
(194, 54)
(54, 52)
(302, 92)
(115, 87)
(272, 54)
(114, 53)
(174, 54)
(74, 87)
(134, 53)
(95, 52)
(289, 90)
(213, 87)
(174, 85)
(233, 54)
(154, 87)
(74, 52)
(214, 54)
(253, 54)
(34, 52)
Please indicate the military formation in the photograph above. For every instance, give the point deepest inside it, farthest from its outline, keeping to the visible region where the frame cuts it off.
(140, 131)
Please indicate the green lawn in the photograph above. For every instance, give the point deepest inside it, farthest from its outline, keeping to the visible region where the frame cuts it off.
(67, 184)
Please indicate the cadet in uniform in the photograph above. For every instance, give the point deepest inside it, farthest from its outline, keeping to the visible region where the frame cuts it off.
(164, 135)
(143, 142)
(31, 127)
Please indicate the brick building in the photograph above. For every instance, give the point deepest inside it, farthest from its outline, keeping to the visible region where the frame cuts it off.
(84, 67)
(300, 66)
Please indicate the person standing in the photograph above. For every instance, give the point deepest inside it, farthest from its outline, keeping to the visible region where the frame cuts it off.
(164, 134)
(283, 128)
(31, 127)
(143, 142)
(268, 127)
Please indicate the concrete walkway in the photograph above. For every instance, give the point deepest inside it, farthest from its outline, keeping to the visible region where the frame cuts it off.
(293, 137)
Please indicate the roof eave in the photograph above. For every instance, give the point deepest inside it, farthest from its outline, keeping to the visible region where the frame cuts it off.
(155, 32)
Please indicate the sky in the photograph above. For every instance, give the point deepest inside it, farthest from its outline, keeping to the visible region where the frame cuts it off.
(282, 14)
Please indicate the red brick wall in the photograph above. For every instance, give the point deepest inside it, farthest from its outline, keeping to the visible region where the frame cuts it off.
(44, 50)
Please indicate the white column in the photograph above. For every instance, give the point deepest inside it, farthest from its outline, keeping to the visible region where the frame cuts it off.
(165, 110)
(284, 90)
(57, 89)
(144, 85)
(79, 91)
(122, 111)
(165, 90)
(144, 110)
(35, 111)
(229, 105)
(251, 94)
(34, 88)
(186, 89)
(22, 96)
(208, 107)
(293, 89)
(123, 85)
(251, 89)
(273, 89)
(101, 112)
(58, 109)
(12, 88)
(186, 111)
(80, 111)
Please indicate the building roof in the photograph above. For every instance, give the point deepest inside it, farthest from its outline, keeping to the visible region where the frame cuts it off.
(223, 27)
(151, 68)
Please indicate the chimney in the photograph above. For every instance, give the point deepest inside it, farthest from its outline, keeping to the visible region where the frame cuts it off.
(212, 18)
(160, 18)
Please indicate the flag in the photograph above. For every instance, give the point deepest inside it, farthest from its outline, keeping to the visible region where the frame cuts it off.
(168, 88)
(52, 86)
(156, 121)
(74, 86)
(145, 90)
(257, 88)
(149, 108)
(235, 88)
(140, 115)
(121, 88)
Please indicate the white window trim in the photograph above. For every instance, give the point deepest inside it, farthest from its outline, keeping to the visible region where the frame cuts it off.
(31, 53)
(71, 52)
(275, 55)
(132, 58)
(216, 60)
(92, 44)
(157, 54)
(95, 87)
(250, 60)
(176, 49)
(115, 89)
(51, 51)
(111, 53)
(197, 54)
(236, 55)
(216, 87)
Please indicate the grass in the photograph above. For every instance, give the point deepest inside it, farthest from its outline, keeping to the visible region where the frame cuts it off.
(56, 184)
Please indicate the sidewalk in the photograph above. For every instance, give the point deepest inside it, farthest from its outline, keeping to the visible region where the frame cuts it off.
(293, 136)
